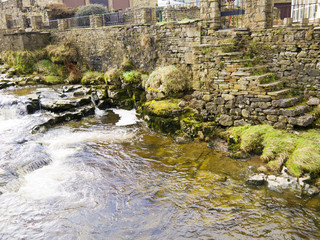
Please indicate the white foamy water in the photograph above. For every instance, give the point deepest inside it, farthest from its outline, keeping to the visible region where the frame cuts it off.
(127, 117)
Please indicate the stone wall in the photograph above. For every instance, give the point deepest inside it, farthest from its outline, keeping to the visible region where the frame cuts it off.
(23, 41)
(180, 13)
(147, 46)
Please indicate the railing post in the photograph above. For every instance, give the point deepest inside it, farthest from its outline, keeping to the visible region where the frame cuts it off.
(210, 11)
(36, 22)
(62, 24)
(259, 14)
(96, 21)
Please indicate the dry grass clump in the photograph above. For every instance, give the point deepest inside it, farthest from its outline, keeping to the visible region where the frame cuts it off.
(167, 80)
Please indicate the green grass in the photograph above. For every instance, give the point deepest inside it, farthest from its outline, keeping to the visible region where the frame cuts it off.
(92, 78)
(299, 152)
(131, 77)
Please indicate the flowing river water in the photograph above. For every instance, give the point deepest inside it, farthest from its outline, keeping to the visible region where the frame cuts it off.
(109, 177)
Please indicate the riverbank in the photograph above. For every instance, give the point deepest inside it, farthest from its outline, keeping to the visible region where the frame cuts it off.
(167, 104)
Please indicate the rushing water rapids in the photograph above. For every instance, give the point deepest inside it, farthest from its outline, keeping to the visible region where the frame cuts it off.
(108, 177)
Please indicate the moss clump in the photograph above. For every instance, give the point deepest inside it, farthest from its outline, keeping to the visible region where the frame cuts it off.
(300, 153)
(131, 77)
(126, 65)
(113, 77)
(164, 107)
(52, 80)
(167, 80)
(92, 78)
(22, 61)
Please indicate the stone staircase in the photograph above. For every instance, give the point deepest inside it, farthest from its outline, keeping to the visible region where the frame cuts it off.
(269, 100)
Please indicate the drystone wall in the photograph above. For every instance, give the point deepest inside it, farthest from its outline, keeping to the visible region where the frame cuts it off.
(238, 77)
(147, 46)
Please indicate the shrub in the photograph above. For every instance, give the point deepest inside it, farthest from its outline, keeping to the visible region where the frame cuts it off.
(59, 10)
(132, 77)
(167, 80)
(46, 67)
(22, 61)
(62, 53)
(91, 10)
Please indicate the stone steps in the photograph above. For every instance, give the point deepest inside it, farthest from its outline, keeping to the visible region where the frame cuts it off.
(258, 78)
(273, 86)
(279, 94)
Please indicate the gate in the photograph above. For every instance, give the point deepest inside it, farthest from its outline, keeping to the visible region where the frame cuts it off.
(232, 13)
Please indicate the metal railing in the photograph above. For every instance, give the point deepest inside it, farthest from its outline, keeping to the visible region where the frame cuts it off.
(232, 14)
(50, 25)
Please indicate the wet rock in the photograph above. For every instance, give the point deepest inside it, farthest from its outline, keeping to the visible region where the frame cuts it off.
(262, 169)
(257, 180)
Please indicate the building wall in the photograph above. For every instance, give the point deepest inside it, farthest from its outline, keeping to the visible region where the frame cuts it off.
(120, 4)
(143, 3)
(74, 4)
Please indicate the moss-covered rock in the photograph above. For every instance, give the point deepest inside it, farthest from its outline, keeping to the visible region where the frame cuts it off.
(113, 77)
(52, 80)
(92, 78)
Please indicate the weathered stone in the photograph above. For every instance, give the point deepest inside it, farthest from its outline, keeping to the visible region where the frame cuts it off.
(313, 101)
(284, 103)
(305, 120)
(245, 113)
(197, 104)
(257, 180)
(225, 120)
(272, 118)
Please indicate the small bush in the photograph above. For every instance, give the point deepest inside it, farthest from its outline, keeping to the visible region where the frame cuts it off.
(62, 53)
(52, 80)
(132, 77)
(167, 80)
(46, 67)
(91, 10)
(59, 10)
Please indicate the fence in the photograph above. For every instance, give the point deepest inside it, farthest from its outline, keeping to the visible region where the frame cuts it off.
(232, 14)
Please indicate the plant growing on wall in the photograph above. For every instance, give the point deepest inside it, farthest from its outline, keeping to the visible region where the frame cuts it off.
(91, 10)
(59, 10)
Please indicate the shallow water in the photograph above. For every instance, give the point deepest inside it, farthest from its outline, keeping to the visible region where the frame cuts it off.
(109, 177)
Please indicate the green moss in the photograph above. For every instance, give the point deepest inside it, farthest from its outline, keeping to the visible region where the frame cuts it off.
(48, 68)
(126, 65)
(207, 50)
(113, 76)
(259, 71)
(52, 80)
(164, 107)
(300, 153)
(131, 77)
(92, 78)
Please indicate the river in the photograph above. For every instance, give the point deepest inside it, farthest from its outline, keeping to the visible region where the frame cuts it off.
(109, 177)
